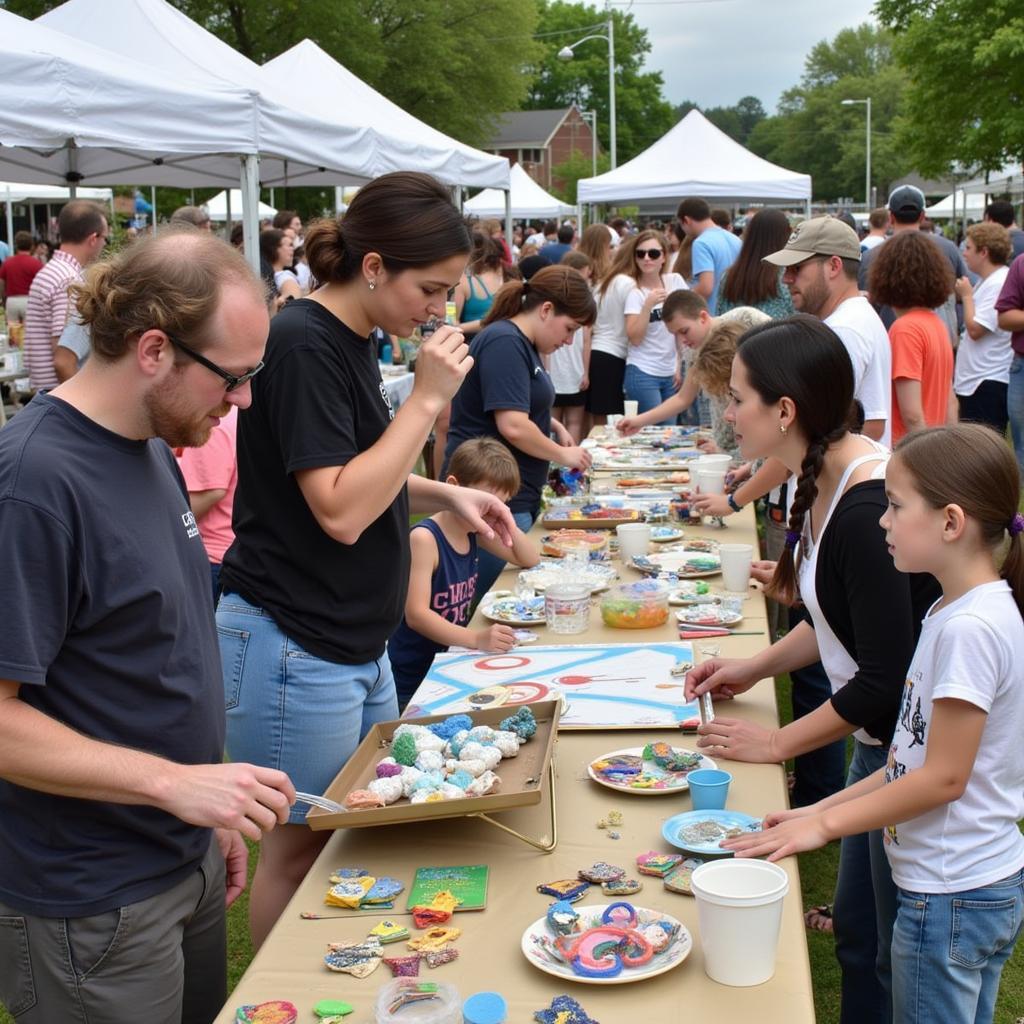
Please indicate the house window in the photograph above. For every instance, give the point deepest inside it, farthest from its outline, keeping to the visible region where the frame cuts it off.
(533, 156)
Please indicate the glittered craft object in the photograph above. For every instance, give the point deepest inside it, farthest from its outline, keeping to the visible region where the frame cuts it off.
(349, 893)
(622, 887)
(343, 874)
(404, 966)
(601, 872)
(360, 959)
(434, 939)
(277, 1011)
(389, 931)
(563, 1010)
(384, 890)
(658, 864)
(568, 889)
(403, 750)
(439, 957)
(425, 917)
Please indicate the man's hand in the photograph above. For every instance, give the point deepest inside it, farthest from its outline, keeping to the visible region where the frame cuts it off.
(575, 458)
(483, 513)
(245, 797)
(236, 863)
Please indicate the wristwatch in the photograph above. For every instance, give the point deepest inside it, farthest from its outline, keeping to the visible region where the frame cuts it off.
(732, 503)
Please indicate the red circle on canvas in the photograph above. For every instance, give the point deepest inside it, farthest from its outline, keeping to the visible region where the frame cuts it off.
(525, 693)
(509, 661)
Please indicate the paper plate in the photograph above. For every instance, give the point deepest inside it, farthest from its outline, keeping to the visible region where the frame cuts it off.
(665, 534)
(674, 562)
(664, 782)
(688, 615)
(538, 948)
(671, 830)
(503, 606)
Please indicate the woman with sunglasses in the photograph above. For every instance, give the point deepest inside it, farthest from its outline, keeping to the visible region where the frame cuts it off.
(317, 577)
(652, 361)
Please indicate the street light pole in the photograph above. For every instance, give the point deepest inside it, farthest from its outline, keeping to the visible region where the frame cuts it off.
(867, 171)
(566, 53)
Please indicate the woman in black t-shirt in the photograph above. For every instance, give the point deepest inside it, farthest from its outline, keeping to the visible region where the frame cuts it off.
(316, 579)
(508, 394)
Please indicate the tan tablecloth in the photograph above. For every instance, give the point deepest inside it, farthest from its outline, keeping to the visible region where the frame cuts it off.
(289, 966)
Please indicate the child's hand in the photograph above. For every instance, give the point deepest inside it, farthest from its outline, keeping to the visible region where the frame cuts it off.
(797, 835)
(496, 638)
(628, 426)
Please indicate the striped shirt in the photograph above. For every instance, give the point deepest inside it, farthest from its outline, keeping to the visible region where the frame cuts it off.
(46, 316)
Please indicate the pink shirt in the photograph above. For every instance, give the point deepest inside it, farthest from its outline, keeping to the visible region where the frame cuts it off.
(46, 315)
(214, 468)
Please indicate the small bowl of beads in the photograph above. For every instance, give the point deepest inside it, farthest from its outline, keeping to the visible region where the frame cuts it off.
(639, 605)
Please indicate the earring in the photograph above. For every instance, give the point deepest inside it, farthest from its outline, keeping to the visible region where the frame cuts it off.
(372, 284)
(782, 429)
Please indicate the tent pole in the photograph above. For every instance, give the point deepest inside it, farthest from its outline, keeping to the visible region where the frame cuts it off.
(339, 199)
(32, 219)
(227, 210)
(508, 215)
(250, 210)
(272, 203)
(10, 220)
(152, 199)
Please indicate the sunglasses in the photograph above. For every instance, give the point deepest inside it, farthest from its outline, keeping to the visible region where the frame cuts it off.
(650, 254)
(232, 382)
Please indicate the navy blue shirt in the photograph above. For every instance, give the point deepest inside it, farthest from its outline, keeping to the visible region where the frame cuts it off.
(108, 625)
(452, 587)
(507, 374)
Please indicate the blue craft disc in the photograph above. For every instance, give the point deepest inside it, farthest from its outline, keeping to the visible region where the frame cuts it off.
(484, 1008)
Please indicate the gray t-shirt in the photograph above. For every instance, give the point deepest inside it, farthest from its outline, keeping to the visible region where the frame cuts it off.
(77, 338)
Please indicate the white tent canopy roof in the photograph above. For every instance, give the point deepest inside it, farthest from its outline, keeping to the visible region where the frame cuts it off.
(295, 147)
(217, 207)
(528, 200)
(695, 159)
(25, 192)
(1009, 179)
(313, 79)
(74, 111)
(972, 205)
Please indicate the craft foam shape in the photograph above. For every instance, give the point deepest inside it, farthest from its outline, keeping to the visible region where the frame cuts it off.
(342, 874)
(602, 872)
(434, 938)
(404, 966)
(659, 864)
(438, 957)
(569, 889)
(384, 890)
(332, 1009)
(389, 931)
(363, 799)
(622, 887)
(563, 1010)
(360, 959)
(349, 893)
(277, 1011)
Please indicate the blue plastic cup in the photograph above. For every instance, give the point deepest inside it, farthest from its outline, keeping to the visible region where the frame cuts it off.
(709, 788)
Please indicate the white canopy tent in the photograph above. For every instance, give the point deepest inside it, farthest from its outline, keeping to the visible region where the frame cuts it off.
(528, 200)
(12, 192)
(1009, 179)
(964, 205)
(309, 77)
(695, 159)
(218, 206)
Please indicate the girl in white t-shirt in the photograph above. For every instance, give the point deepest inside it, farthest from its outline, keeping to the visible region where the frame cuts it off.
(952, 791)
(652, 361)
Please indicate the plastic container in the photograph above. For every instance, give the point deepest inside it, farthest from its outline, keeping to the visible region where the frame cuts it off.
(739, 908)
(709, 788)
(640, 605)
(445, 1008)
(485, 1008)
(554, 545)
(567, 607)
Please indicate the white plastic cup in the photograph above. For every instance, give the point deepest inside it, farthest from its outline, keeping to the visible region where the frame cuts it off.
(630, 408)
(711, 481)
(716, 461)
(739, 908)
(736, 559)
(634, 540)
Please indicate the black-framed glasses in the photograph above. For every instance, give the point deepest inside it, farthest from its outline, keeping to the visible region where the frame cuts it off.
(231, 380)
(649, 253)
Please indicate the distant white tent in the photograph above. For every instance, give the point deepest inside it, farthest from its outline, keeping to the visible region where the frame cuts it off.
(1009, 179)
(24, 192)
(695, 159)
(528, 200)
(967, 205)
(217, 207)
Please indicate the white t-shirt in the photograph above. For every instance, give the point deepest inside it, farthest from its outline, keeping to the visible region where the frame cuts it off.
(989, 357)
(656, 354)
(609, 333)
(971, 650)
(870, 241)
(536, 239)
(565, 366)
(861, 330)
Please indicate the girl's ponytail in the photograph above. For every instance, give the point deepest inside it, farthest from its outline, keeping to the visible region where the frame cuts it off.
(1013, 565)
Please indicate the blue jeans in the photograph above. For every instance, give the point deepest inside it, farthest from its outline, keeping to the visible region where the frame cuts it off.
(1015, 408)
(647, 390)
(491, 565)
(948, 951)
(289, 709)
(864, 912)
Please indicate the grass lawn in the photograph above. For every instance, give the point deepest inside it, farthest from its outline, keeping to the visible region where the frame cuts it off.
(817, 874)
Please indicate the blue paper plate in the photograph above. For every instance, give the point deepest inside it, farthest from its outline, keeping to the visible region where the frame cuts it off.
(671, 830)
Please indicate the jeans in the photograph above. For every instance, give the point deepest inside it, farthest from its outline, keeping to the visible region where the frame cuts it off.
(289, 709)
(490, 566)
(948, 951)
(864, 912)
(162, 960)
(1015, 407)
(215, 580)
(819, 773)
(647, 390)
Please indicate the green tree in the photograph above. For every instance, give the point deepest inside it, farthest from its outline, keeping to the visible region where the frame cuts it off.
(737, 121)
(813, 132)
(642, 116)
(442, 62)
(965, 63)
(567, 174)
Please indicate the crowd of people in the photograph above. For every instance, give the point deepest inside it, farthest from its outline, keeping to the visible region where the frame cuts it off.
(205, 516)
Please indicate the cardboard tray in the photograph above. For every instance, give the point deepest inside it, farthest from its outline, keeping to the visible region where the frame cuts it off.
(515, 791)
(589, 524)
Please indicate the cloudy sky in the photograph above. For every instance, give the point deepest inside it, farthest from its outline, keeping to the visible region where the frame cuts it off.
(716, 51)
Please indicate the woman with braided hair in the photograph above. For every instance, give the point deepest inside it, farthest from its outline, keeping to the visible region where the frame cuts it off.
(792, 398)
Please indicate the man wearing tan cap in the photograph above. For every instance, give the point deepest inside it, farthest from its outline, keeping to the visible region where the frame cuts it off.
(822, 258)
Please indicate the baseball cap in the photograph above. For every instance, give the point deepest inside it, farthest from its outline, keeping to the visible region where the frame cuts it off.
(819, 236)
(907, 200)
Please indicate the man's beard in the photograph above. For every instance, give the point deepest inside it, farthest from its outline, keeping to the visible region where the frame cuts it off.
(172, 420)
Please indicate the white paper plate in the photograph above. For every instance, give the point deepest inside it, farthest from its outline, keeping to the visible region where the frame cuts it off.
(677, 781)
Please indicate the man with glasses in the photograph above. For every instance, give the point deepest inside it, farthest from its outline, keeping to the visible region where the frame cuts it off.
(83, 234)
(119, 815)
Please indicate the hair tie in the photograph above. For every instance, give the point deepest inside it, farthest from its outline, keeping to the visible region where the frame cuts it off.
(526, 287)
(1016, 524)
(793, 537)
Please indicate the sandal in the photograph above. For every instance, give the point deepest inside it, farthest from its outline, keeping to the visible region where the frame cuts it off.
(819, 918)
